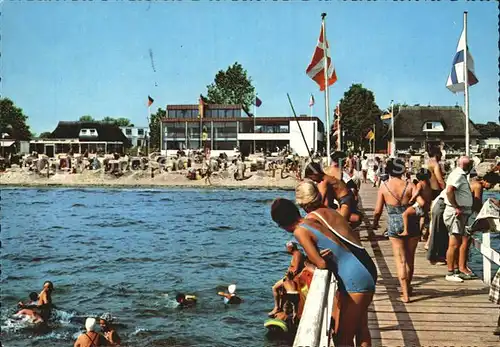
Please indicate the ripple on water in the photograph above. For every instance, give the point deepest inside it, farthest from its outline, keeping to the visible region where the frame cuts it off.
(119, 254)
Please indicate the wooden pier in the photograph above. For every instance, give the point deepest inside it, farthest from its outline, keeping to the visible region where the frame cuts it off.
(440, 313)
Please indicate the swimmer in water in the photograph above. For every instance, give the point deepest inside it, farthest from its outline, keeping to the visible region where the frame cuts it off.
(185, 300)
(231, 297)
(90, 338)
(44, 305)
(27, 308)
(108, 330)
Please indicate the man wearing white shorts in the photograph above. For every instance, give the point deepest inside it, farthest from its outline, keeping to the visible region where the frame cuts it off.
(458, 200)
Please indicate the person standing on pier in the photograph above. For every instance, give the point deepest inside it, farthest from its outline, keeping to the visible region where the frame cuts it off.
(395, 194)
(459, 201)
(324, 231)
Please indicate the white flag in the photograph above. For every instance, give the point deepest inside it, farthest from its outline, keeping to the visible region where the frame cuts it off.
(456, 80)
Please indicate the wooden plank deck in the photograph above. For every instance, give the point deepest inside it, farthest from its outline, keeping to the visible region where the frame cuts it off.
(440, 313)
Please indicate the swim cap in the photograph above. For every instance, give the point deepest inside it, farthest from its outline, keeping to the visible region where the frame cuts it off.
(90, 324)
(231, 289)
(107, 317)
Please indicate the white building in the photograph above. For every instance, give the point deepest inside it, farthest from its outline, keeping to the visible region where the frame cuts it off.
(226, 127)
(490, 142)
(136, 135)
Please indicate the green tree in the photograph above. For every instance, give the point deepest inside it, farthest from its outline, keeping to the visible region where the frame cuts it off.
(45, 135)
(359, 113)
(490, 129)
(232, 86)
(13, 121)
(121, 122)
(154, 128)
(108, 120)
(87, 118)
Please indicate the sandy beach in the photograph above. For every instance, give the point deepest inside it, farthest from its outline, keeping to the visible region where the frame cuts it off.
(97, 178)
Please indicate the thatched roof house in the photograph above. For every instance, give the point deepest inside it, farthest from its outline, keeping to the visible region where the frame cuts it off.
(82, 136)
(420, 126)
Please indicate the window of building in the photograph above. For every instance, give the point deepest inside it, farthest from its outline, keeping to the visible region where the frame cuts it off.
(140, 132)
(128, 131)
(139, 143)
(433, 126)
(284, 129)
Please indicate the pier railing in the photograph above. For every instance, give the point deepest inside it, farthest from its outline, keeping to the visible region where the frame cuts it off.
(489, 255)
(315, 323)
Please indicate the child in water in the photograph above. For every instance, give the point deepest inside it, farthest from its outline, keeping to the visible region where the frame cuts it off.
(185, 300)
(231, 297)
(27, 309)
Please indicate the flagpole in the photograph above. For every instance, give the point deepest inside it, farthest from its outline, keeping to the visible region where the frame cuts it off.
(466, 89)
(327, 100)
(149, 135)
(254, 122)
(340, 128)
(393, 140)
(374, 138)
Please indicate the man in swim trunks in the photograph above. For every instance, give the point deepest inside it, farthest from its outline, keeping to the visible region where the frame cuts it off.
(437, 175)
(332, 188)
(296, 266)
(291, 293)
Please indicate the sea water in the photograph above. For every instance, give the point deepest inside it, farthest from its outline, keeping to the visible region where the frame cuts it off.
(129, 251)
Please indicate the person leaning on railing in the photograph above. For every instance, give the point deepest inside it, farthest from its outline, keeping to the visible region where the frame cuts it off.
(353, 267)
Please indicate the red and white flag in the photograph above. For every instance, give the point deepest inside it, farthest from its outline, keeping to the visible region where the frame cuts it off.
(311, 101)
(316, 69)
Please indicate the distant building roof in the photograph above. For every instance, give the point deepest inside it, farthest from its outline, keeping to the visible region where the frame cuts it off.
(411, 120)
(208, 106)
(106, 132)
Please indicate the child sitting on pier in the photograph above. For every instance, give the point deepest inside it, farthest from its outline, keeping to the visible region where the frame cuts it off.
(420, 201)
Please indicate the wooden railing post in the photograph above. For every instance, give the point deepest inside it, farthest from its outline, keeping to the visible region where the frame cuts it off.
(486, 242)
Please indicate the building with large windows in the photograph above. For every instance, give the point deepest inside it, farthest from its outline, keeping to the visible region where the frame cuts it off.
(227, 127)
(137, 135)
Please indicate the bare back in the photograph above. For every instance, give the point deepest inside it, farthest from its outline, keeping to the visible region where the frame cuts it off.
(396, 191)
(436, 174)
(90, 339)
(426, 193)
(336, 221)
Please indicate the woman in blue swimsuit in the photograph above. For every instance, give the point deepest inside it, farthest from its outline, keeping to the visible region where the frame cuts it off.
(395, 194)
(351, 265)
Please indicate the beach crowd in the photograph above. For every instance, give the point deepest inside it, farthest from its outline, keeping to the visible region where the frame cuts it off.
(429, 207)
(432, 207)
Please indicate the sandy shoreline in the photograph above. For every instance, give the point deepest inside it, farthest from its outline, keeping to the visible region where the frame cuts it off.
(140, 179)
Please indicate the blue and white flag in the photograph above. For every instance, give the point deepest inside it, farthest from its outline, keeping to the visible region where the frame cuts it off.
(456, 80)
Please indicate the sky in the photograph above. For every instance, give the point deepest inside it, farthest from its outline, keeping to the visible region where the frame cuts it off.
(62, 60)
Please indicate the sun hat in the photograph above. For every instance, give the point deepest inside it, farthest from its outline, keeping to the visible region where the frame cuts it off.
(231, 289)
